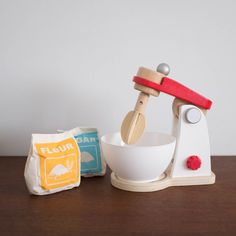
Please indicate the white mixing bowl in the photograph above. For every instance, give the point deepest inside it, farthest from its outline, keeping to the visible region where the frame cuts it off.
(145, 161)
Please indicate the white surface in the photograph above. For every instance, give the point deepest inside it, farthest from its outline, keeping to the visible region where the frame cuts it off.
(192, 139)
(70, 63)
(144, 161)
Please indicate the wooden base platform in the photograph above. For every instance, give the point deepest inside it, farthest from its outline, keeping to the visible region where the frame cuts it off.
(163, 183)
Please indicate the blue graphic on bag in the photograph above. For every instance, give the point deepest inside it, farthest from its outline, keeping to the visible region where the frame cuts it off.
(90, 153)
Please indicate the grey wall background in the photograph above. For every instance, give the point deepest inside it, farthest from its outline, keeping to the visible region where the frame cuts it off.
(67, 63)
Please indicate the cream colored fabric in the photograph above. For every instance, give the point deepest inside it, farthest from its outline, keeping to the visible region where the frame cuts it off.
(53, 163)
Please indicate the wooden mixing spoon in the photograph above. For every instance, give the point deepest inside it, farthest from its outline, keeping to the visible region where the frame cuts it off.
(133, 125)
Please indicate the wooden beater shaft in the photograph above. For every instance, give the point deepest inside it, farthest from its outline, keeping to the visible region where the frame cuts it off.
(134, 123)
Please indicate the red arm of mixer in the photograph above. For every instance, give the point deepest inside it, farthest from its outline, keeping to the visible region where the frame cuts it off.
(177, 90)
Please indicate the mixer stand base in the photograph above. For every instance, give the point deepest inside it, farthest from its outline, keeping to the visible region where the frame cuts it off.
(165, 182)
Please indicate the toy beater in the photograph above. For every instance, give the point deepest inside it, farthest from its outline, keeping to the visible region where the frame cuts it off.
(191, 163)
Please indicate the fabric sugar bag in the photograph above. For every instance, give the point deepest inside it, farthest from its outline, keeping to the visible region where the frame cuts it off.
(92, 162)
(53, 163)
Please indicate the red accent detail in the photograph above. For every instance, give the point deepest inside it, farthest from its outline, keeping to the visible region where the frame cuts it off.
(193, 162)
(176, 89)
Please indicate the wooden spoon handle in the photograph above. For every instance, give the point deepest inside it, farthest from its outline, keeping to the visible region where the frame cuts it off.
(141, 102)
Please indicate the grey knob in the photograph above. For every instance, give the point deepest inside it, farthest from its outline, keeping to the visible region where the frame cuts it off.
(163, 68)
(193, 115)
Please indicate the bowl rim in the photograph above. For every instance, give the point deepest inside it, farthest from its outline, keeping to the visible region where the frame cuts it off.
(173, 141)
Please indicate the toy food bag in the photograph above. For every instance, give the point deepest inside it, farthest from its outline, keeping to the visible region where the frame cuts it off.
(92, 162)
(53, 163)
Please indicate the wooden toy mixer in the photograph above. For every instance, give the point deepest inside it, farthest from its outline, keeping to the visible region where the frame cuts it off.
(149, 161)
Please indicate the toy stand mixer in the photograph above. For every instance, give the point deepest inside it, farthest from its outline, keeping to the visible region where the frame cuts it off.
(150, 161)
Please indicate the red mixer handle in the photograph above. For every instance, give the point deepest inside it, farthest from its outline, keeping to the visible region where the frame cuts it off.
(177, 90)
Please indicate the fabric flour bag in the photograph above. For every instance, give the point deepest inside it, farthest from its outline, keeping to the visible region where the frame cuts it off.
(92, 162)
(53, 163)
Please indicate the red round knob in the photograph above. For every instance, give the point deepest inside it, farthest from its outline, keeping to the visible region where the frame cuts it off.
(194, 162)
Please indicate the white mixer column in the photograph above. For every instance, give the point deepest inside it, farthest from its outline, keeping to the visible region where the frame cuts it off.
(192, 152)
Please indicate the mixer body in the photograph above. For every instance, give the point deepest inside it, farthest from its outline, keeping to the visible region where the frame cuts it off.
(192, 151)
